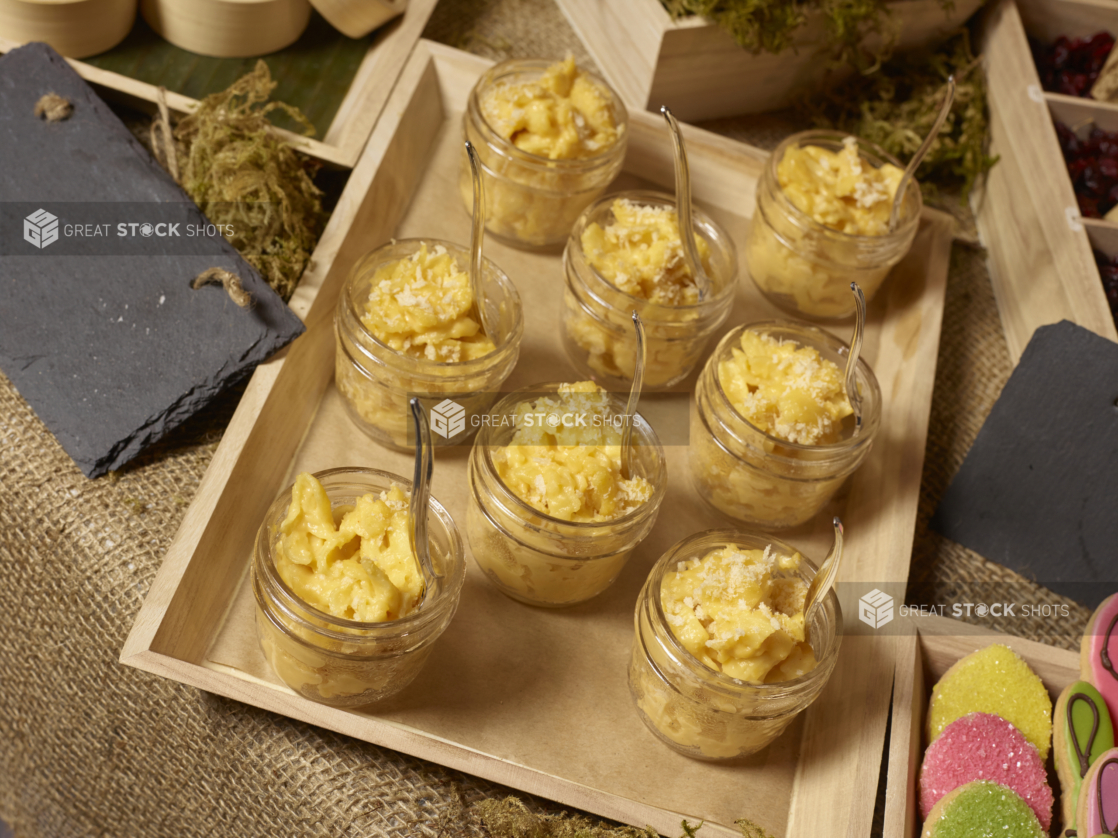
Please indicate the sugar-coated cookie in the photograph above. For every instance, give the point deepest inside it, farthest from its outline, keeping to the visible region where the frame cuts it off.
(1098, 653)
(1098, 798)
(1081, 731)
(982, 810)
(981, 746)
(993, 680)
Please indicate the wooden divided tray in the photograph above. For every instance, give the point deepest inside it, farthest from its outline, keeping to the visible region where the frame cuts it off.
(537, 699)
(1040, 259)
(342, 141)
(923, 656)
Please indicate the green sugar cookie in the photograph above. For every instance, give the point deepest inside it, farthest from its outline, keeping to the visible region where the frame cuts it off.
(982, 810)
(993, 680)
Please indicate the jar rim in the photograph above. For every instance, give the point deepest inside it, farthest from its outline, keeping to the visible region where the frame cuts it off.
(340, 628)
(870, 421)
(642, 428)
(905, 226)
(422, 365)
(752, 541)
(701, 218)
(504, 146)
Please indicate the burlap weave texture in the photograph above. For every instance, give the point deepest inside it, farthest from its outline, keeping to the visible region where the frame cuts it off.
(91, 748)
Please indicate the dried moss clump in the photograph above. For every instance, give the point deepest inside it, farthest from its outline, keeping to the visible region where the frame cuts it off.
(510, 818)
(771, 25)
(896, 106)
(241, 174)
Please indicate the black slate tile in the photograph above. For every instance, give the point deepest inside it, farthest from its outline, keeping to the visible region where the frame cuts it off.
(1038, 491)
(104, 336)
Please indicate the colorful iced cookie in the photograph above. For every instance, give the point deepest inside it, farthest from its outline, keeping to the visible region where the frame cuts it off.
(993, 680)
(981, 746)
(1081, 731)
(982, 810)
(1098, 798)
(1098, 653)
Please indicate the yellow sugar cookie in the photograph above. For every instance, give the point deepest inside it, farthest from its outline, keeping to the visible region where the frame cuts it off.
(993, 680)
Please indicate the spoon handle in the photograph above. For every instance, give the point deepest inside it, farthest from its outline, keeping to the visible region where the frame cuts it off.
(684, 212)
(918, 157)
(634, 397)
(421, 493)
(477, 237)
(852, 394)
(825, 576)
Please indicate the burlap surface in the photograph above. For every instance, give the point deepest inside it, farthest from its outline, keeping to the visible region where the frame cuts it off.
(91, 748)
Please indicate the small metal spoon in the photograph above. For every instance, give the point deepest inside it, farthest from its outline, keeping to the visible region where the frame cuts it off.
(852, 394)
(420, 503)
(627, 454)
(824, 577)
(477, 236)
(683, 207)
(921, 152)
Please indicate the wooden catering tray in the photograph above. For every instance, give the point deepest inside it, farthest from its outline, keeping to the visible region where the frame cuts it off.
(923, 656)
(346, 136)
(537, 699)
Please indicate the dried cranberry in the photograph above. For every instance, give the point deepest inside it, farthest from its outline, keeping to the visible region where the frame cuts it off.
(1071, 65)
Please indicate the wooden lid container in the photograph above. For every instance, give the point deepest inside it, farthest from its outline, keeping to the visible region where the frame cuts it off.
(74, 28)
(228, 28)
(357, 18)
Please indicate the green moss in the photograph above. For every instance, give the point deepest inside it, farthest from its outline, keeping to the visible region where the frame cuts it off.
(771, 25)
(896, 106)
(241, 174)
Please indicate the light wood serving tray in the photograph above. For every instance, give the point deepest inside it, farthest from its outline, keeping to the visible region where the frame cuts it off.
(1039, 247)
(352, 124)
(533, 698)
(699, 71)
(923, 656)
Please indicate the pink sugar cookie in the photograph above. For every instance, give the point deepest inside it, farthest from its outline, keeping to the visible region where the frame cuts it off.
(982, 746)
(1098, 657)
(1097, 813)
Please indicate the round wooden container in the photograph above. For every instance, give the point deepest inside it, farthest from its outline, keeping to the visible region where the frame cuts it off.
(228, 28)
(74, 28)
(357, 18)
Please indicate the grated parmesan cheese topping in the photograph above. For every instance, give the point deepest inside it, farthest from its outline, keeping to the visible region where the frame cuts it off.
(786, 390)
(840, 189)
(423, 306)
(735, 611)
(572, 471)
(641, 254)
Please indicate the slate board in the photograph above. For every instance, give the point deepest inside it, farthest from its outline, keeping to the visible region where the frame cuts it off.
(104, 336)
(1038, 491)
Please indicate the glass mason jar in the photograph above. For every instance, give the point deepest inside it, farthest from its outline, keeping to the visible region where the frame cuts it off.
(706, 714)
(597, 316)
(346, 663)
(760, 479)
(377, 381)
(530, 200)
(804, 266)
(539, 559)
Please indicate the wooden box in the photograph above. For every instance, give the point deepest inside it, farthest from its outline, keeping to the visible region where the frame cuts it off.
(535, 698)
(359, 110)
(1039, 247)
(923, 655)
(700, 72)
